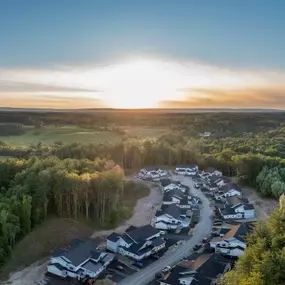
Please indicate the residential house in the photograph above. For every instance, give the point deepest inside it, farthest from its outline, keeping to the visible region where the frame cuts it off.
(237, 208)
(80, 260)
(191, 169)
(212, 171)
(171, 217)
(205, 134)
(207, 269)
(228, 190)
(232, 243)
(152, 173)
(176, 196)
(137, 243)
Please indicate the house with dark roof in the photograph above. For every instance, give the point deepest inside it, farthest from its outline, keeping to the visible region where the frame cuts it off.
(232, 243)
(80, 260)
(206, 269)
(137, 242)
(176, 196)
(152, 173)
(212, 171)
(237, 208)
(171, 217)
(228, 190)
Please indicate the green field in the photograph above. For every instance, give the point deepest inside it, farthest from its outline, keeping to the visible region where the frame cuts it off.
(70, 134)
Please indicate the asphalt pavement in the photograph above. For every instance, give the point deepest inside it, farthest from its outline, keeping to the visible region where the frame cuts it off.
(202, 230)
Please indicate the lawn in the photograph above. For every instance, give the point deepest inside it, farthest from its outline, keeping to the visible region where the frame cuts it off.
(70, 134)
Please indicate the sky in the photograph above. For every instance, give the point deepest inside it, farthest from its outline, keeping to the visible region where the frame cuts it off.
(142, 54)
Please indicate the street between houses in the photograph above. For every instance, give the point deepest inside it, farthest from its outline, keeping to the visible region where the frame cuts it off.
(202, 230)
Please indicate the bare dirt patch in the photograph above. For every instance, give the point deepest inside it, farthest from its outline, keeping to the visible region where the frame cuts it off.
(263, 206)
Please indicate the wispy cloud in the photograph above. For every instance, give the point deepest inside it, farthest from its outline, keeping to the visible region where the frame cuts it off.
(145, 83)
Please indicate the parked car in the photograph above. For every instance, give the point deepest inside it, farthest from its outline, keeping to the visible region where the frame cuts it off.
(166, 269)
(197, 246)
(138, 264)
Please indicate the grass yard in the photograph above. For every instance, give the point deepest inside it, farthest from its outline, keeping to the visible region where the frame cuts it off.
(70, 134)
(67, 134)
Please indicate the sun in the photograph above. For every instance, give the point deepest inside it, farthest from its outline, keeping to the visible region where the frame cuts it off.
(136, 84)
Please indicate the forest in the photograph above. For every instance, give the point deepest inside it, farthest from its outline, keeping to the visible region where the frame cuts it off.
(34, 188)
(264, 260)
(86, 180)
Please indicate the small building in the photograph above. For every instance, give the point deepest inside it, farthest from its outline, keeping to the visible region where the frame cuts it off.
(171, 217)
(212, 171)
(137, 243)
(80, 260)
(232, 243)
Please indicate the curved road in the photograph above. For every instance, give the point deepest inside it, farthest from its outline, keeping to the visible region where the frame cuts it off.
(202, 230)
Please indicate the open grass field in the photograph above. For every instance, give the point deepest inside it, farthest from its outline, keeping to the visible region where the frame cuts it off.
(70, 134)
(58, 232)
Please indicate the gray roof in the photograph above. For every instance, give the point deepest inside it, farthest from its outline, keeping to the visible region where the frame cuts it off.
(248, 206)
(127, 239)
(113, 237)
(142, 233)
(172, 210)
(92, 266)
(78, 252)
(158, 242)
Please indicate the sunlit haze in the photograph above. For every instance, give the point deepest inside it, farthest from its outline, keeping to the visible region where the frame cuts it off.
(190, 55)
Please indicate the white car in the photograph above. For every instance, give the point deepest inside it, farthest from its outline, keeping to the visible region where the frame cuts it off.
(166, 269)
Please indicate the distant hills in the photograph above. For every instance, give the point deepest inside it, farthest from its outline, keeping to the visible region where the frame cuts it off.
(153, 110)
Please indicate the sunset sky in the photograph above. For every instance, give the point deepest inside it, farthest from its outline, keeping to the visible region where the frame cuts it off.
(142, 54)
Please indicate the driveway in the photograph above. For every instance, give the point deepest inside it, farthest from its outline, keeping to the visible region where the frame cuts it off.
(202, 230)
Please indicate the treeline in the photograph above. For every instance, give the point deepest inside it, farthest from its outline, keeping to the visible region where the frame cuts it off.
(220, 124)
(35, 188)
(234, 156)
(264, 260)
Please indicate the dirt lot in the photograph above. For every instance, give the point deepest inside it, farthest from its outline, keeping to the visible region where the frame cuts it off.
(263, 206)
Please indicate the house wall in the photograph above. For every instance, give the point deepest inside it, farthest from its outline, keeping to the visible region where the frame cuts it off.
(228, 251)
(167, 219)
(249, 214)
(124, 252)
(236, 216)
(54, 270)
(163, 226)
(112, 246)
(61, 261)
(231, 243)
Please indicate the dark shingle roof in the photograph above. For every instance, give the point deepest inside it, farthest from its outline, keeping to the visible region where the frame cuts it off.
(143, 233)
(59, 252)
(80, 251)
(92, 266)
(165, 181)
(113, 237)
(238, 232)
(248, 206)
(173, 210)
(59, 266)
(126, 238)
(158, 242)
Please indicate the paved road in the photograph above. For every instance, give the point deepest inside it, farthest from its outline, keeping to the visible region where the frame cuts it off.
(202, 230)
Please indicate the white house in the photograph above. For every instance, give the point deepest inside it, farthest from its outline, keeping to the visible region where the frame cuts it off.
(191, 169)
(81, 259)
(233, 242)
(171, 217)
(228, 190)
(136, 243)
(212, 171)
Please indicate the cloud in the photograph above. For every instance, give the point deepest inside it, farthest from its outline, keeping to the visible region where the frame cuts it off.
(143, 82)
(242, 98)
